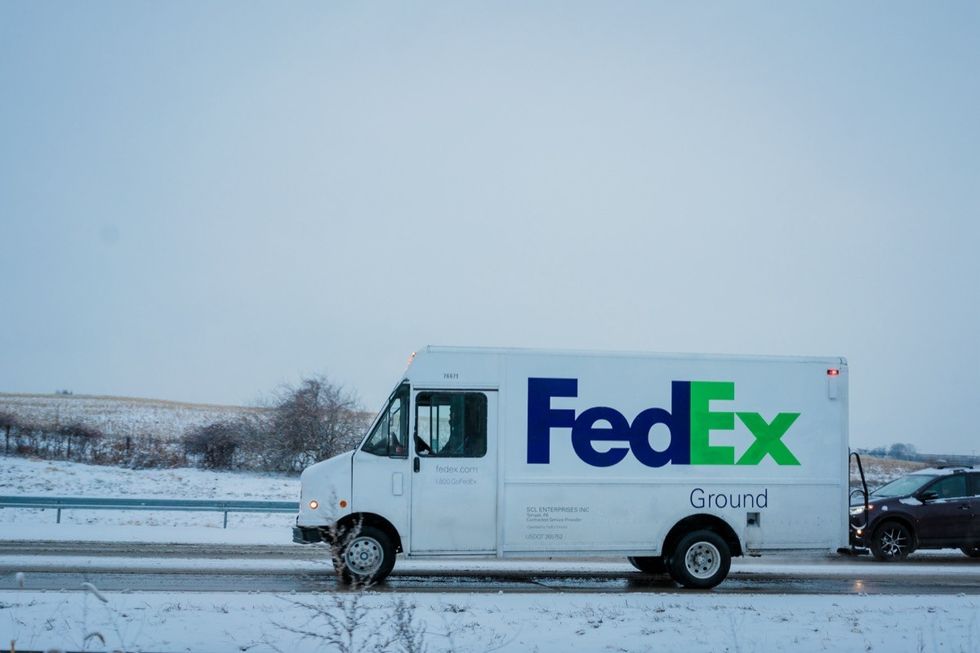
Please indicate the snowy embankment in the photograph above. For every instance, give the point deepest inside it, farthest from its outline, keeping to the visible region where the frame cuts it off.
(25, 477)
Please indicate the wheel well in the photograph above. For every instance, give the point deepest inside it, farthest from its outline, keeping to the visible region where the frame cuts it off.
(371, 519)
(702, 522)
(901, 520)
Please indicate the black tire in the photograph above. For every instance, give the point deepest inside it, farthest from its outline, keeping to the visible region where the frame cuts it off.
(891, 542)
(701, 560)
(972, 551)
(368, 556)
(649, 564)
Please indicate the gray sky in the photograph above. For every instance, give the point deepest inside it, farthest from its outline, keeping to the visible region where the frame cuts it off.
(202, 200)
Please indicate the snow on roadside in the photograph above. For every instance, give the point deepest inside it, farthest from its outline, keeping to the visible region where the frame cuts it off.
(59, 478)
(523, 622)
(28, 477)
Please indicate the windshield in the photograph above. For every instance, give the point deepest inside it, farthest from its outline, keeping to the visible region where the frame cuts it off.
(388, 437)
(902, 487)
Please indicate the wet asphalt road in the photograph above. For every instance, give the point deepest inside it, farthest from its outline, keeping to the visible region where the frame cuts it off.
(946, 574)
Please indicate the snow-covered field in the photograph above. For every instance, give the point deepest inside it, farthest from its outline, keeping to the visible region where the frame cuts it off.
(454, 621)
(120, 416)
(878, 471)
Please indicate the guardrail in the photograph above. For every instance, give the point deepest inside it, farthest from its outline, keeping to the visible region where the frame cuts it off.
(189, 505)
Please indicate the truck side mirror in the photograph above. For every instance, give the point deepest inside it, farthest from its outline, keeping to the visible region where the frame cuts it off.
(926, 497)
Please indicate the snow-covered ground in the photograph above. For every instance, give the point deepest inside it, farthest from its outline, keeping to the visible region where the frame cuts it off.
(464, 622)
(25, 477)
(456, 621)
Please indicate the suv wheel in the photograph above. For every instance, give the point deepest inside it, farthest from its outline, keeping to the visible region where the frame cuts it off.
(700, 561)
(649, 564)
(892, 542)
(972, 551)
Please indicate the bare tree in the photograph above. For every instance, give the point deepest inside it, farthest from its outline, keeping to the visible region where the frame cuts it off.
(312, 422)
(7, 422)
(902, 451)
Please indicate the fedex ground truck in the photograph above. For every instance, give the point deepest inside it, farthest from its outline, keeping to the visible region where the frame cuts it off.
(676, 462)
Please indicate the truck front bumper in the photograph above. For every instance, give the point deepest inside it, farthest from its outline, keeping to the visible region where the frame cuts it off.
(306, 535)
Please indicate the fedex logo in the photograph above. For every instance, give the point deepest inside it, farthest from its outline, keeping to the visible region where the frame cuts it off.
(690, 422)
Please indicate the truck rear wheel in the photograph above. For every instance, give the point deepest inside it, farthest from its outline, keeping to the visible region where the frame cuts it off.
(701, 560)
(649, 564)
(368, 557)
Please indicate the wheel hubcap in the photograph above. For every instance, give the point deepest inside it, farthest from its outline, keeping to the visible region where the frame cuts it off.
(893, 542)
(703, 560)
(364, 555)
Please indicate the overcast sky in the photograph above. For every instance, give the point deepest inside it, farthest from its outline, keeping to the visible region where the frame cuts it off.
(202, 200)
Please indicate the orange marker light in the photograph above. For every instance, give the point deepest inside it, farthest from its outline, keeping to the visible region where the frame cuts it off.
(343, 503)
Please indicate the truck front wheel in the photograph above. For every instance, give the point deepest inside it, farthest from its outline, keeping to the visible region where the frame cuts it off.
(701, 560)
(368, 556)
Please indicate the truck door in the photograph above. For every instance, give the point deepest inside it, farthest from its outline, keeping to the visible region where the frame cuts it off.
(454, 479)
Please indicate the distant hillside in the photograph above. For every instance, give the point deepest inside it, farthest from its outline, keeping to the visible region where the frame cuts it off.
(119, 416)
(878, 471)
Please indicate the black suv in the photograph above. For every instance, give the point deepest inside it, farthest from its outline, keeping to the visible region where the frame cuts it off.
(934, 508)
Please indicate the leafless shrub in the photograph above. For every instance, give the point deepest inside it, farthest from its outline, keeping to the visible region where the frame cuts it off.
(343, 622)
(338, 538)
(339, 623)
(149, 452)
(409, 633)
(214, 444)
(84, 436)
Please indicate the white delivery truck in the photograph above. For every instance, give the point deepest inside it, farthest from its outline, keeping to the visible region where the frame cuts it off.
(677, 462)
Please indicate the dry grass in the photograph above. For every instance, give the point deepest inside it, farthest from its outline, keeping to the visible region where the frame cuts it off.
(120, 416)
(879, 471)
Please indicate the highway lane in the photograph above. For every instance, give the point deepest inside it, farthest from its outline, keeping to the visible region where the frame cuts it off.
(183, 551)
(283, 569)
